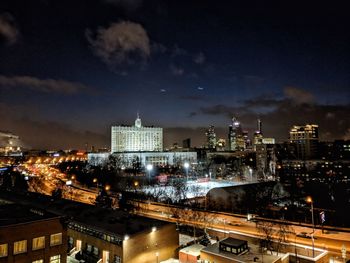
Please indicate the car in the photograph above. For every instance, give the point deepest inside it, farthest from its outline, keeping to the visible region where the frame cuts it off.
(304, 235)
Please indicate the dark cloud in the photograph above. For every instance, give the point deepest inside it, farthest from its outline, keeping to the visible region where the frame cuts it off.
(44, 134)
(176, 70)
(252, 81)
(8, 28)
(199, 58)
(128, 5)
(42, 85)
(192, 97)
(121, 44)
(178, 51)
(299, 95)
(333, 120)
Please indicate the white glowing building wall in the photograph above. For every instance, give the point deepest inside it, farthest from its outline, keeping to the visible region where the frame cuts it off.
(136, 138)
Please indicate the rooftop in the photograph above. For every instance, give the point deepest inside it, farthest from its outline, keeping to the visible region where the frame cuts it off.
(233, 242)
(247, 256)
(194, 250)
(114, 221)
(12, 214)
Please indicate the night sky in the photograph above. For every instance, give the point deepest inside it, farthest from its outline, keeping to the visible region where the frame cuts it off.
(71, 69)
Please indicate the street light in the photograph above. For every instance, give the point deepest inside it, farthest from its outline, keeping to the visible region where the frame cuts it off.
(186, 166)
(309, 200)
(149, 168)
(95, 181)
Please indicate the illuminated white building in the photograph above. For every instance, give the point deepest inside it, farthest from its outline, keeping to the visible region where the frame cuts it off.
(126, 160)
(136, 138)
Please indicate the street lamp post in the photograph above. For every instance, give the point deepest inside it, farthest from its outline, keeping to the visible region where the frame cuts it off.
(95, 181)
(309, 200)
(157, 255)
(186, 166)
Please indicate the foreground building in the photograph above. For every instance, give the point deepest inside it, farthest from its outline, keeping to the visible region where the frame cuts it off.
(136, 138)
(93, 234)
(31, 235)
(101, 235)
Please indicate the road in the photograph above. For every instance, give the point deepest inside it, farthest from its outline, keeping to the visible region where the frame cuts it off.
(329, 240)
(45, 179)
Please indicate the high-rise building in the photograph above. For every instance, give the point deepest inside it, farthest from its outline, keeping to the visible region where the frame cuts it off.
(235, 136)
(306, 140)
(259, 123)
(258, 135)
(211, 137)
(136, 138)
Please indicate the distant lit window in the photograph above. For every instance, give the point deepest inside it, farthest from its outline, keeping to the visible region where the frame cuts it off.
(3, 250)
(117, 259)
(70, 241)
(56, 239)
(38, 243)
(95, 251)
(55, 259)
(88, 248)
(20, 247)
(38, 261)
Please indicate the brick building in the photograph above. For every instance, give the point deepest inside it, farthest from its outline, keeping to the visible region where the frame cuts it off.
(31, 235)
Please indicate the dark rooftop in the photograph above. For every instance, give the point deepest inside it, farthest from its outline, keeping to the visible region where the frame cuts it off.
(115, 221)
(12, 214)
(233, 242)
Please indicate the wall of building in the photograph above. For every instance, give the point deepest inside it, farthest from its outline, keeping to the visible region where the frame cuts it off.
(155, 158)
(150, 247)
(114, 249)
(28, 231)
(132, 138)
(215, 258)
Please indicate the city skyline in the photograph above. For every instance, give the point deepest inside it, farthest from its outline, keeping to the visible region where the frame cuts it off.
(69, 71)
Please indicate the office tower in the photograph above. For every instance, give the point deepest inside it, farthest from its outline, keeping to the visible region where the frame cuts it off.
(235, 136)
(211, 137)
(306, 140)
(186, 143)
(136, 138)
(259, 126)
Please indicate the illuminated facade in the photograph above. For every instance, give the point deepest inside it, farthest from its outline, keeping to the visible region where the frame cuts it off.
(136, 138)
(126, 160)
(10, 144)
(235, 136)
(28, 234)
(305, 139)
(211, 137)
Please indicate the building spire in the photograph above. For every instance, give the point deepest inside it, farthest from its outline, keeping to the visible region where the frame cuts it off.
(138, 121)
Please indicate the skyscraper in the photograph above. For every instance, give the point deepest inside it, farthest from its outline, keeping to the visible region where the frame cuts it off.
(136, 138)
(305, 139)
(235, 136)
(211, 137)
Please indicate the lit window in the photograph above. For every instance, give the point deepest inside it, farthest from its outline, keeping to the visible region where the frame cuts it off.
(56, 239)
(3, 250)
(95, 251)
(55, 259)
(88, 248)
(20, 247)
(38, 261)
(38, 243)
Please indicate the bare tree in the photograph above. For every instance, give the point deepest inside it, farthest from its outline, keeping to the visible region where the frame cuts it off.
(267, 230)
